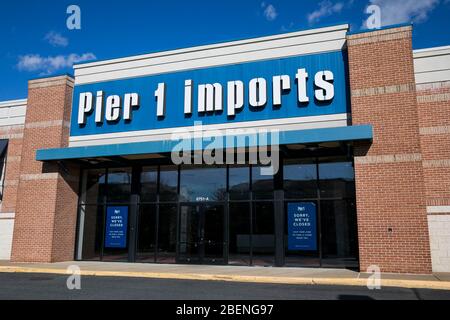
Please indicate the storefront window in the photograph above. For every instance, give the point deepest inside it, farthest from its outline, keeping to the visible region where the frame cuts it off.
(339, 233)
(300, 179)
(167, 233)
(337, 179)
(263, 234)
(119, 185)
(146, 233)
(95, 185)
(168, 184)
(262, 185)
(91, 229)
(184, 210)
(239, 233)
(203, 184)
(190, 233)
(239, 183)
(149, 182)
(213, 233)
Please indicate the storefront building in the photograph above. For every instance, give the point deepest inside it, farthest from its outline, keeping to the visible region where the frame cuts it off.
(355, 127)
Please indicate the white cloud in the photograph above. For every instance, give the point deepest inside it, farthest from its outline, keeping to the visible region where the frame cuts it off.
(56, 39)
(270, 12)
(51, 64)
(401, 11)
(326, 8)
(285, 28)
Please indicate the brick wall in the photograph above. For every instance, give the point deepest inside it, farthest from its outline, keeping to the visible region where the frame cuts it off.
(433, 101)
(392, 220)
(45, 223)
(14, 134)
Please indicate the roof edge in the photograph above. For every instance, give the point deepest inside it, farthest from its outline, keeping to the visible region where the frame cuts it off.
(430, 52)
(13, 103)
(340, 27)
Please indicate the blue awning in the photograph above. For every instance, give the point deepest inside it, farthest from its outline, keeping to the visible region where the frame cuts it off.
(350, 133)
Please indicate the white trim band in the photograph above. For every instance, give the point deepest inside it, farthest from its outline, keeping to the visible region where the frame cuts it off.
(13, 103)
(287, 124)
(438, 209)
(7, 215)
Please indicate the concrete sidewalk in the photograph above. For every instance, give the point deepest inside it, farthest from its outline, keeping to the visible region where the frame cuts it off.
(313, 276)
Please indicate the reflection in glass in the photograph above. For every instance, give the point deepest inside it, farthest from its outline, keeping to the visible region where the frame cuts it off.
(300, 179)
(201, 236)
(239, 183)
(203, 184)
(263, 237)
(168, 188)
(213, 233)
(92, 231)
(167, 233)
(239, 233)
(149, 180)
(190, 233)
(262, 185)
(146, 233)
(339, 233)
(119, 185)
(95, 185)
(337, 179)
(247, 234)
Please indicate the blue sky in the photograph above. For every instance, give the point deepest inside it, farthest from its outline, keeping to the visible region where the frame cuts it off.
(36, 41)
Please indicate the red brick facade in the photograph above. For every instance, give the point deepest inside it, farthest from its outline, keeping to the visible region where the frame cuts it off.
(434, 120)
(392, 219)
(45, 220)
(433, 101)
(14, 134)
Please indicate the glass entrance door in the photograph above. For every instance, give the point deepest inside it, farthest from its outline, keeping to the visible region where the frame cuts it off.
(201, 234)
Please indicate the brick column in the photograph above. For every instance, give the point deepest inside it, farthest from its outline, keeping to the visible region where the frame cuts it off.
(14, 134)
(46, 208)
(390, 193)
(434, 110)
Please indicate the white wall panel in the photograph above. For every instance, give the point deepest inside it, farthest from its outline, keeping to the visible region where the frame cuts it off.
(6, 233)
(432, 65)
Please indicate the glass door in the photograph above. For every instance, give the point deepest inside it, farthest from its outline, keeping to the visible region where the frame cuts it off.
(213, 220)
(201, 234)
(190, 234)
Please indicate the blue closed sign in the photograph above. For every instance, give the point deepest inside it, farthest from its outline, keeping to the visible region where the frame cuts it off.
(302, 226)
(116, 227)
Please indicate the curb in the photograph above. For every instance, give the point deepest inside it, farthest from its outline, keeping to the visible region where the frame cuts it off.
(402, 283)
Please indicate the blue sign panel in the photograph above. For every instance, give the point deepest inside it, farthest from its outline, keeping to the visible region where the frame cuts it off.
(116, 227)
(302, 233)
(311, 85)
